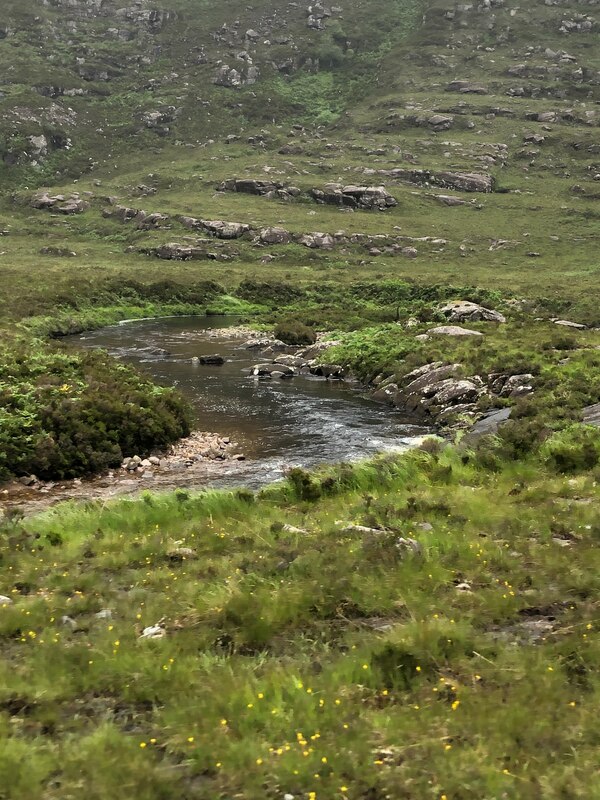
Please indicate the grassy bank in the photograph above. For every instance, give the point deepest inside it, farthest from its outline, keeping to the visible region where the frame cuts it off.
(320, 660)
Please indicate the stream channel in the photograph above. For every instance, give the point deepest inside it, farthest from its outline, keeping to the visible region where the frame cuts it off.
(302, 421)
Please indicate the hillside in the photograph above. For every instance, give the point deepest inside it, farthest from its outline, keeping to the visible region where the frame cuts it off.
(415, 182)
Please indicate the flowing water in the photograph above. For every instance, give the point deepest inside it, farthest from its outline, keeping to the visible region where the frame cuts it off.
(303, 421)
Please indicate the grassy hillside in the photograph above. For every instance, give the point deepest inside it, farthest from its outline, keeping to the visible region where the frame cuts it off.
(421, 628)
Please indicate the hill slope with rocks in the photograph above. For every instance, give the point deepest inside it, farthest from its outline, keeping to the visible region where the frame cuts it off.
(399, 193)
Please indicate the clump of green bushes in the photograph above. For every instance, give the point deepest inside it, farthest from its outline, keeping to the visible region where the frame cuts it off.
(63, 415)
(574, 449)
(294, 332)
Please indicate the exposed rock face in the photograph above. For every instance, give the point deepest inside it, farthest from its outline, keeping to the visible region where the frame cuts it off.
(150, 221)
(434, 390)
(228, 76)
(448, 200)
(73, 206)
(465, 311)
(38, 145)
(461, 181)
(488, 425)
(44, 200)
(363, 197)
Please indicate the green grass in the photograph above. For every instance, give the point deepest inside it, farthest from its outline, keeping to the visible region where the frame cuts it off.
(306, 662)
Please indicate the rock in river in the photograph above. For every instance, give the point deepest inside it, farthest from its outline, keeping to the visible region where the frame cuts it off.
(211, 360)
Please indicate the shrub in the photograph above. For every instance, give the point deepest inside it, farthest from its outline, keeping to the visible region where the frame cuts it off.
(64, 415)
(573, 449)
(294, 332)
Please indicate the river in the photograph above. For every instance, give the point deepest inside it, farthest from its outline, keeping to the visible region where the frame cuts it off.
(303, 421)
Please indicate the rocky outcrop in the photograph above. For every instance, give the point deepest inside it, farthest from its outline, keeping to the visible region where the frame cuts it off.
(361, 197)
(174, 251)
(507, 385)
(488, 425)
(590, 415)
(329, 371)
(73, 204)
(435, 122)
(466, 87)
(434, 390)
(317, 14)
(275, 235)
(231, 78)
(142, 219)
(218, 228)
(159, 120)
(224, 230)
(265, 188)
(461, 181)
(317, 240)
(465, 311)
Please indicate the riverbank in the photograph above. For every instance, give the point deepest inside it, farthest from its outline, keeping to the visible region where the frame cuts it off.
(193, 461)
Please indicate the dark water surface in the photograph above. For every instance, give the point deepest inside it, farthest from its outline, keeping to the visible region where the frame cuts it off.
(302, 421)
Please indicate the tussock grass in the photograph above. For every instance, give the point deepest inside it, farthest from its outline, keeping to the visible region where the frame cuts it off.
(304, 662)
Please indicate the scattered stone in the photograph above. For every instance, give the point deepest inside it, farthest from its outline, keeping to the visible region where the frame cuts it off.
(153, 632)
(452, 330)
(5, 601)
(57, 252)
(181, 554)
(448, 200)
(568, 324)
(272, 371)
(292, 529)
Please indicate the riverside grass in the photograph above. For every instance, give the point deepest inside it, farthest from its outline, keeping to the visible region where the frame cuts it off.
(320, 662)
